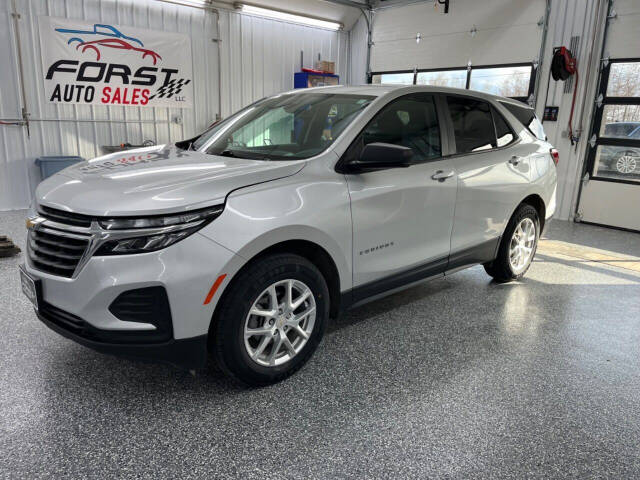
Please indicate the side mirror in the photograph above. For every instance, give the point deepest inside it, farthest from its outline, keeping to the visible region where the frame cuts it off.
(378, 156)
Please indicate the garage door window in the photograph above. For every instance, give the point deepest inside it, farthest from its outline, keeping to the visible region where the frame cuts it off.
(443, 78)
(503, 81)
(394, 78)
(624, 80)
(621, 121)
(614, 154)
(513, 80)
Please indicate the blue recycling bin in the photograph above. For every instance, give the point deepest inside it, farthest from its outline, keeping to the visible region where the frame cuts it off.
(50, 165)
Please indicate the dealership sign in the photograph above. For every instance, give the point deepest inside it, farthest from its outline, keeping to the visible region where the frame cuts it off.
(103, 64)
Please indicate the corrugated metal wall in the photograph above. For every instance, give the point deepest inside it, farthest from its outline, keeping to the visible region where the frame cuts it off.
(258, 57)
(358, 52)
(567, 19)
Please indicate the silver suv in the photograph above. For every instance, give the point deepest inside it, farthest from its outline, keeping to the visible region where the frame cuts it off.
(242, 242)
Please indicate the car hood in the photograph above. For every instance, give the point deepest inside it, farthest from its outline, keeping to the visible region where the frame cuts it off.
(155, 180)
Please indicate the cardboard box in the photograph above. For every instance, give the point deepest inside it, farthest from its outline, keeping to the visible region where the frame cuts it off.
(327, 67)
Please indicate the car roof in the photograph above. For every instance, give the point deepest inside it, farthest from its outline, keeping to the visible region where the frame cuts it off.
(380, 90)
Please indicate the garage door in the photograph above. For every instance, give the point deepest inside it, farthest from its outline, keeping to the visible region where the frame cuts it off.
(611, 192)
(491, 35)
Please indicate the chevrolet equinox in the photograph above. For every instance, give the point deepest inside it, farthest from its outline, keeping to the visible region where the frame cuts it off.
(242, 242)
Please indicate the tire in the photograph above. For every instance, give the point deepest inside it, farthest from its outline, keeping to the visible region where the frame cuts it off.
(502, 268)
(251, 291)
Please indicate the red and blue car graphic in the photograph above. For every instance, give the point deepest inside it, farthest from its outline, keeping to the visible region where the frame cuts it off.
(116, 39)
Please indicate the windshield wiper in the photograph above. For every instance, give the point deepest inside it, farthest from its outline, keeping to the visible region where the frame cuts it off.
(229, 153)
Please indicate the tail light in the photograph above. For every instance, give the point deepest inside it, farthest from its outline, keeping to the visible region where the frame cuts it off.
(555, 155)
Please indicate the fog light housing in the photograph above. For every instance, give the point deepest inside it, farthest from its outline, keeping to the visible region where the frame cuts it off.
(145, 305)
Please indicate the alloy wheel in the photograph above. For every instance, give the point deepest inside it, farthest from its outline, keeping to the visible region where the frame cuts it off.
(626, 164)
(279, 322)
(521, 245)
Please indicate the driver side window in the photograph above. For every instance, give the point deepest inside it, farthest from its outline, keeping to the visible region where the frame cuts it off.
(409, 121)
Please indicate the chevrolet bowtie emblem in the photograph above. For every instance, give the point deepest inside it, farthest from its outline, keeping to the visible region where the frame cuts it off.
(33, 222)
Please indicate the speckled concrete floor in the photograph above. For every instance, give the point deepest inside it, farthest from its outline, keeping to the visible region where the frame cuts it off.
(457, 378)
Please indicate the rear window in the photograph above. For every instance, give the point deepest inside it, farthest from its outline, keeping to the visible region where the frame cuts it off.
(527, 116)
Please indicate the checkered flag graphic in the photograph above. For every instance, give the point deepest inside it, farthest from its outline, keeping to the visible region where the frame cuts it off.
(171, 88)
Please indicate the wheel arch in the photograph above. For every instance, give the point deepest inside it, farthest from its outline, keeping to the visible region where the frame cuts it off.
(537, 202)
(317, 255)
(312, 251)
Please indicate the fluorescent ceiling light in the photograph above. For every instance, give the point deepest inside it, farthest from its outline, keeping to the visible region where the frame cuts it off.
(288, 16)
(191, 3)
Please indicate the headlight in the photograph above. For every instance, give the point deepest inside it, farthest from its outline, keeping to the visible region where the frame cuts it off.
(148, 234)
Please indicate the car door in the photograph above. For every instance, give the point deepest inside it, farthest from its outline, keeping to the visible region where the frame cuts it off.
(493, 173)
(402, 217)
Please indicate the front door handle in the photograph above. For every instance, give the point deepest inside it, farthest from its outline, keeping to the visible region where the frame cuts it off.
(515, 160)
(441, 176)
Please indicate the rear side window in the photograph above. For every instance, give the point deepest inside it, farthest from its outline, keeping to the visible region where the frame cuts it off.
(527, 117)
(472, 124)
(504, 133)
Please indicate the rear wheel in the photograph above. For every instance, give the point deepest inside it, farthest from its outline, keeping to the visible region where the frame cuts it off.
(271, 320)
(517, 247)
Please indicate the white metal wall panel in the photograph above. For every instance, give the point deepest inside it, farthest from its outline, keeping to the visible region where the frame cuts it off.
(358, 53)
(506, 31)
(569, 18)
(258, 58)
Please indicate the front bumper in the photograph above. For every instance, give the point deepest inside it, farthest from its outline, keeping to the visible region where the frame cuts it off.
(188, 353)
(186, 270)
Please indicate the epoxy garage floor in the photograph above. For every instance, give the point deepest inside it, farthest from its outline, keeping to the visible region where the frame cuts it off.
(456, 378)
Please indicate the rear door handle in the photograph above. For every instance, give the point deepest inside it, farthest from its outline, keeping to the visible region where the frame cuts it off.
(515, 160)
(441, 176)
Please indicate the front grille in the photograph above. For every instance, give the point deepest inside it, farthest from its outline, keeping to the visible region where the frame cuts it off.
(56, 252)
(61, 216)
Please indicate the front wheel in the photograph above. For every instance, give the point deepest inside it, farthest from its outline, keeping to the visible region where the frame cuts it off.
(517, 247)
(271, 320)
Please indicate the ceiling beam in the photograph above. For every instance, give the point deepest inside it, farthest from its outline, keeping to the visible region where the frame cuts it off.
(352, 3)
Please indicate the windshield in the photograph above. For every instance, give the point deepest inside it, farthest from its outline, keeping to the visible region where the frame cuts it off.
(286, 127)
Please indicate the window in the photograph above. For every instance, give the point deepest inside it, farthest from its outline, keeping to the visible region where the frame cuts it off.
(272, 128)
(504, 133)
(624, 80)
(515, 80)
(617, 162)
(394, 78)
(621, 121)
(615, 154)
(472, 124)
(527, 116)
(410, 121)
(443, 78)
(285, 127)
(504, 81)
